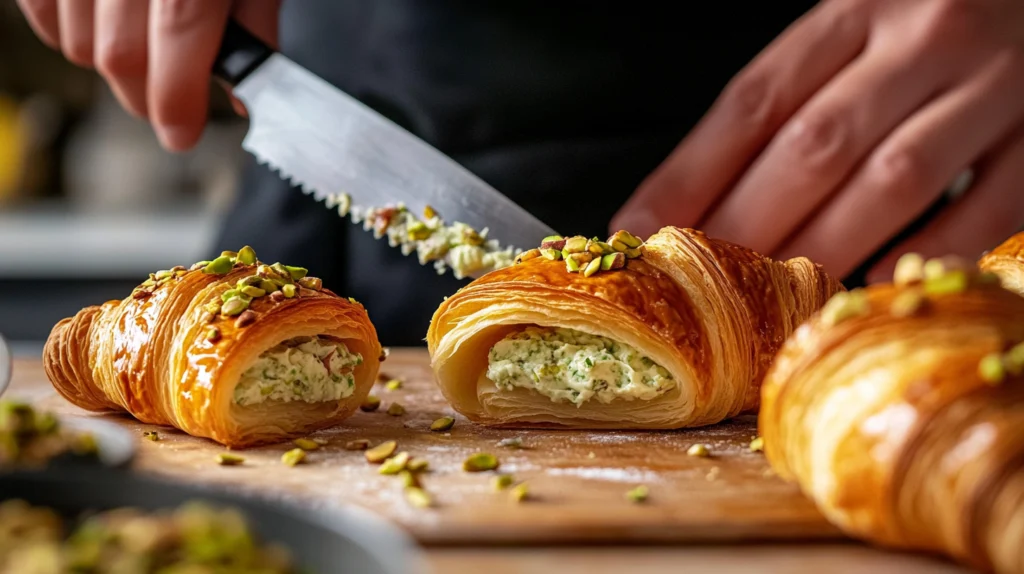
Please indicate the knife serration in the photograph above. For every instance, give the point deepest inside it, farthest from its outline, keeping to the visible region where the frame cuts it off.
(327, 142)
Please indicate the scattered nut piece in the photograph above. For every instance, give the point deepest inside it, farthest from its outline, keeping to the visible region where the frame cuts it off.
(395, 464)
(514, 442)
(700, 450)
(757, 445)
(520, 493)
(358, 444)
(396, 410)
(417, 497)
(306, 444)
(442, 424)
(381, 452)
(845, 305)
(991, 369)
(227, 459)
(909, 269)
(293, 457)
(370, 404)
(907, 303)
(393, 385)
(245, 319)
(418, 465)
(638, 494)
(480, 462)
(151, 435)
(502, 481)
(409, 478)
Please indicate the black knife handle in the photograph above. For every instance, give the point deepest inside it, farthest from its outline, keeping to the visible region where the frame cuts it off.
(240, 53)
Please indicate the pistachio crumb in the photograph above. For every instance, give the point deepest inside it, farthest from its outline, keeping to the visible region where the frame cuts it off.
(212, 334)
(1013, 360)
(991, 369)
(396, 409)
(393, 385)
(417, 497)
(553, 242)
(417, 465)
(909, 269)
(592, 267)
(293, 457)
(409, 478)
(907, 303)
(551, 254)
(513, 442)
(245, 319)
(381, 452)
(370, 404)
(757, 445)
(954, 281)
(246, 255)
(442, 424)
(520, 492)
(845, 305)
(502, 481)
(312, 283)
(151, 435)
(306, 444)
(233, 307)
(480, 462)
(228, 459)
(358, 444)
(700, 450)
(219, 266)
(394, 464)
(289, 290)
(527, 255)
(638, 494)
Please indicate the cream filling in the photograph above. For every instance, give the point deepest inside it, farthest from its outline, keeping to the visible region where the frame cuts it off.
(568, 365)
(311, 370)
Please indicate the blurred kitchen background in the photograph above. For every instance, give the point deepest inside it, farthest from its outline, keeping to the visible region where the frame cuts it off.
(89, 202)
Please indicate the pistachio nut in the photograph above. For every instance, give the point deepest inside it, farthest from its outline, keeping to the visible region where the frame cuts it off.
(528, 255)
(267, 286)
(418, 231)
(633, 253)
(230, 254)
(907, 303)
(991, 369)
(512, 442)
(582, 258)
(313, 283)
(408, 478)
(246, 255)
(520, 493)
(502, 481)
(845, 305)
(618, 245)
(306, 444)
(212, 334)
(480, 462)
(909, 269)
(442, 424)
(417, 465)
(151, 435)
(396, 410)
(950, 282)
(289, 291)
(358, 444)
(700, 450)
(576, 244)
(394, 464)
(429, 212)
(572, 265)
(280, 270)
(234, 307)
(219, 266)
(166, 274)
(370, 404)
(296, 273)
(198, 265)
(599, 248)
(381, 452)
(1014, 359)
(277, 297)
(245, 319)
(638, 494)
(626, 238)
(228, 459)
(551, 254)
(265, 271)
(592, 267)
(553, 242)
(417, 497)
(229, 294)
(212, 308)
(293, 457)
(613, 261)
(757, 445)
(149, 283)
(254, 292)
(393, 384)
(246, 281)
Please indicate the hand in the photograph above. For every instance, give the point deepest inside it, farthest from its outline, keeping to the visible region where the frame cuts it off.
(849, 126)
(156, 56)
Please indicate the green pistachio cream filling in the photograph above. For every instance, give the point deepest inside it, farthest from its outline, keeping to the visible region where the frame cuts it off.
(568, 365)
(308, 369)
(457, 246)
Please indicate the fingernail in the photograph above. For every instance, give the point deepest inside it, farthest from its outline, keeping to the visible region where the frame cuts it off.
(176, 138)
(639, 222)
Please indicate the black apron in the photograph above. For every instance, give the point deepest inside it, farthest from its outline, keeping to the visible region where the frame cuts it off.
(563, 106)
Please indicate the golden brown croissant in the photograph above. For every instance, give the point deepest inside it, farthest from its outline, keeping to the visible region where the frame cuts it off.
(234, 350)
(1007, 261)
(900, 410)
(587, 334)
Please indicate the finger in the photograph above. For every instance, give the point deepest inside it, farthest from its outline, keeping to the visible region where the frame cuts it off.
(42, 17)
(261, 18)
(824, 142)
(912, 167)
(991, 211)
(76, 30)
(183, 41)
(121, 50)
(746, 115)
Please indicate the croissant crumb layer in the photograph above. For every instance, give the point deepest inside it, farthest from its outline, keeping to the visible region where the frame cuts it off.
(306, 369)
(568, 365)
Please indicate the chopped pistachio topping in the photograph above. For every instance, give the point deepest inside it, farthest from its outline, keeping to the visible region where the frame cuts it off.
(293, 457)
(246, 256)
(626, 238)
(480, 462)
(212, 334)
(528, 255)
(417, 465)
(513, 442)
(907, 303)
(551, 254)
(409, 478)
(394, 464)
(909, 269)
(577, 244)
(845, 305)
(393, 384)
(442, 424)
(955, 281)
(358, 444)
(228, 459)
(219, 266)
(991, 369)
(520, 492)
(151, 435)
(700, 450)
(381, 452)
(312, 283)
(592, 267)
(638, 494)
(417, 497)
(588, 256)
(757, 445)
(502, 481)
(370, 404)
(306, 444)
(289, 290)
(1014, 360)
(396, 409)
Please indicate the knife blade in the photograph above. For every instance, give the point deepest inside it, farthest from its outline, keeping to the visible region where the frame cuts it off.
(326, 142)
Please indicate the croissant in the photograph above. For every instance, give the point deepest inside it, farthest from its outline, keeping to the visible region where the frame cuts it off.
(674, 332)
(1007, 261)
(899, 409)
(234, 350)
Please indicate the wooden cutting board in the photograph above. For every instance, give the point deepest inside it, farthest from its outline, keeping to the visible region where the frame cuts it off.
(577, 479)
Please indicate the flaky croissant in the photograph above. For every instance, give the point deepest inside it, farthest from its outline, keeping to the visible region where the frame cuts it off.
(677, 332)
(899, 409)
(233, 350)
(1007, 261)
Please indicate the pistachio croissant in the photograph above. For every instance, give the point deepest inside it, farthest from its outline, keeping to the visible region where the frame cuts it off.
(1007, 261)
(900, 410)
(233, 350)
(675, 332)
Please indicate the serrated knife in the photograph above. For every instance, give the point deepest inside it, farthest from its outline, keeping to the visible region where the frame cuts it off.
(327, 142)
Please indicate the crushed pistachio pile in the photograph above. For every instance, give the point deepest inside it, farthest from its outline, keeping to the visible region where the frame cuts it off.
(32, 438)
(192, 538)
(458, 246)
(587, 256)
(406, 467)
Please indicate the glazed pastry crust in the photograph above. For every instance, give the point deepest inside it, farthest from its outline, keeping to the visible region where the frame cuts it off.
(1007, 261)
(710, 312)
(150, 357)
(886, 423)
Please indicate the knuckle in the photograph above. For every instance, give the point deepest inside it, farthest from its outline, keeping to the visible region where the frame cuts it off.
(750, 98)
(175, 16)
(901, 173)
(114, 59)
(956, 20)
(818, 141)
